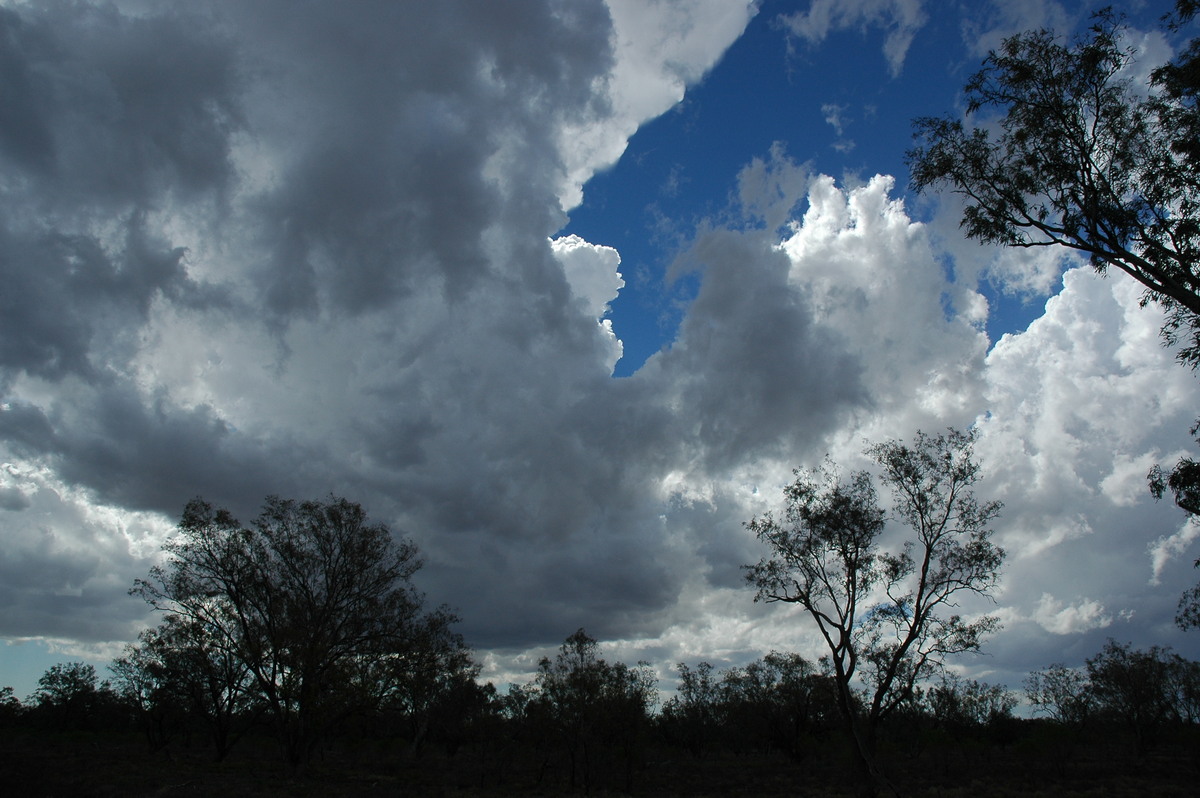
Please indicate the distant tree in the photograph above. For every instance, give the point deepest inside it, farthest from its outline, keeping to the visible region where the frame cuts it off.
(10, 707)
(309, 599)
(70, 695)
(692, 715)
(595, 708)
(967, 704)
(884, 615)
(1137, 688)
(1061, 693)
(782, 701)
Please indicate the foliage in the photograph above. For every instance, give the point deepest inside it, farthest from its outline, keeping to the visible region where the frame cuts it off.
(312, 601)
(1184, 484)
(1061, 693)
(693, 713)
(886, 617)
(178, 668)
(958, 703)
(782, 701)
(1082, 159)
(1140, 688)
(594, 709)
(69, 696)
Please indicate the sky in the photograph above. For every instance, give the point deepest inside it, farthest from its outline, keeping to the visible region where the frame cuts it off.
(561, 289)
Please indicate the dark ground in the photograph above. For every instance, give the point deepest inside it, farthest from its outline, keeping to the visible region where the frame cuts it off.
(40, 764)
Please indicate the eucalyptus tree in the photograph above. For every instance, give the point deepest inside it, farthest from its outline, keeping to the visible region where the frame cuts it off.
(887, 618)
(312, 599)
(1063, 149)
(595, 709)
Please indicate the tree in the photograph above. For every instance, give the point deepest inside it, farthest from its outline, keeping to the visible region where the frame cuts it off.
(436, 665)
(1137, 688)
(180, 666)
(1083, 159)
(780, 700)
(1061, 693)
(966, 704)
(70, 696)
(1086, 160)
(310, 599)
(594, 707)
(886, 617)
(692, 714)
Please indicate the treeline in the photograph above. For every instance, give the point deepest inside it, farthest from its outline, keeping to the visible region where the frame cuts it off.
(585, 723)
(303, 632)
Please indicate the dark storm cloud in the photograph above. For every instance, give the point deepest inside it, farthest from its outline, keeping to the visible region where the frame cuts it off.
(269, 247)
(389, 115)
(69, 299)
(102, 109)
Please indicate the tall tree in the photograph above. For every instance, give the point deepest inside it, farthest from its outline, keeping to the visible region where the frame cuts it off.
(886, 617)
(1083, 158)
(308, 598)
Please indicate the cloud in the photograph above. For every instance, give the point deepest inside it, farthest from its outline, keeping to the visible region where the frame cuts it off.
(1060, 619)
(348, 280)
(1170, 547)
(900, 18)
(659, 49)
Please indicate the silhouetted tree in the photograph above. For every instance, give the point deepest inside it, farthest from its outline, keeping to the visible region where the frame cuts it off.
(1087, 161)
(10, 707)
(182, 665)
(1136, 688)
(966, 704)
(781, 701)
(69, 696)
(437, 662)
(310, 599)
(692, 715)
(826, 557)
(594, 707)
(1083, 160)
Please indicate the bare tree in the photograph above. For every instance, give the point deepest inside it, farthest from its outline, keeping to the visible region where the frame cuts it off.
(886, 618)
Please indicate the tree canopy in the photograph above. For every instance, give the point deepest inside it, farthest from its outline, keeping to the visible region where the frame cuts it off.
(312, 600)
(1063, 148)
(887, 618)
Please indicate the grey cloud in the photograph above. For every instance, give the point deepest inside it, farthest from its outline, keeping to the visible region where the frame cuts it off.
(400, 110)
(103, 108)
(756, 375)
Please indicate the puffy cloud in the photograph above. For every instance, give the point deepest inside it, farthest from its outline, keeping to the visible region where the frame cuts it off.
(1060, 619)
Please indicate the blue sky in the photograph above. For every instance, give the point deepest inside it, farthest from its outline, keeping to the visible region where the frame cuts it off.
(834, 105)
(372, 252)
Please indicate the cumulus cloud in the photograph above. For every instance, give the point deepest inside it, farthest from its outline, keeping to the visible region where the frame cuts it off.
(320, 256)
(1064, 619)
